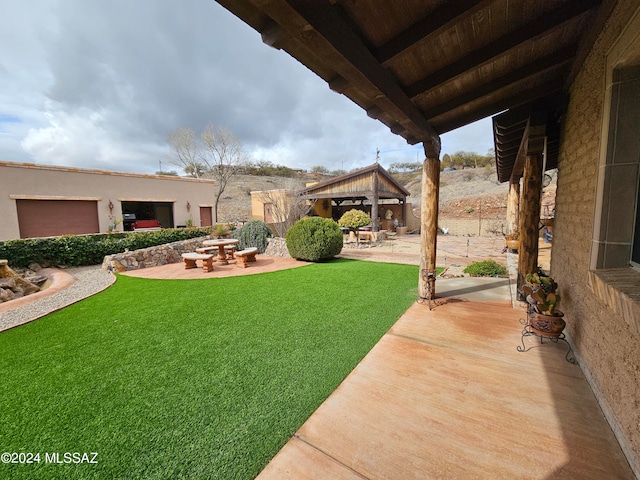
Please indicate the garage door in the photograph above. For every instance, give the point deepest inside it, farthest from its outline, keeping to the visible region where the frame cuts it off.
(45, 218)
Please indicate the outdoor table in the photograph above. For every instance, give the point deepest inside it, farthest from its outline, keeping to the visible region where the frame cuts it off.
(221, 243)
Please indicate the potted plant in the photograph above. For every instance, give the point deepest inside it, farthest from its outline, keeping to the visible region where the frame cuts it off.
(513, 240)
(542, 298)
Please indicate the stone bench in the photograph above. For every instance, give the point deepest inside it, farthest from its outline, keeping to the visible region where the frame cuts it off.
(191, 258)
(246, 255)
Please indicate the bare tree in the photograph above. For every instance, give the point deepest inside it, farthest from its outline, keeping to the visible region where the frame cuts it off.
(223, 156)
(217, 154)
(287, 207)
(186, 151)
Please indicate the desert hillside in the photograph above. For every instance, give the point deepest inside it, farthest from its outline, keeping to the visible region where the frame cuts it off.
(462, 193)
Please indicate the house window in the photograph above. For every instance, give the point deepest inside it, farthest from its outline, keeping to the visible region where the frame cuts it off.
(635, 251)
(617, 228)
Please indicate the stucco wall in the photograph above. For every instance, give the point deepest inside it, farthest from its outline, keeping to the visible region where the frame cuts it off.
(48, 182)
(608, 349)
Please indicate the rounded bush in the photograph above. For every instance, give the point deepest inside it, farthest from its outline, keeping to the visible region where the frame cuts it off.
(253, 234)
(314, 239)
(354, 219)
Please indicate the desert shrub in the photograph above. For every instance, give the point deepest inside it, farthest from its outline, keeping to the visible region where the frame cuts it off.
(76, 250)
(354, 219)
(314, 239)
(253, 234)
(486, 268)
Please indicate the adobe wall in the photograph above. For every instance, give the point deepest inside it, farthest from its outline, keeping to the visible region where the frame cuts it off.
(608, 349)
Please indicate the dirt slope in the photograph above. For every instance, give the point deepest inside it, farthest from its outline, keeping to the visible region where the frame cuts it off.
(460, 190)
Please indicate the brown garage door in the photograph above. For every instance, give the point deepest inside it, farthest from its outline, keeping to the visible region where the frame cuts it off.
(45, 218)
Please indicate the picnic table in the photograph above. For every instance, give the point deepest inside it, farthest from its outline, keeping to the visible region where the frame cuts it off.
(220, 243)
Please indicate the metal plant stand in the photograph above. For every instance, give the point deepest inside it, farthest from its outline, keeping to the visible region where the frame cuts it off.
(529, 331)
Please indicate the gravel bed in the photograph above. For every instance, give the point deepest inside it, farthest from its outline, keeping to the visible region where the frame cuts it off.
(89, 281)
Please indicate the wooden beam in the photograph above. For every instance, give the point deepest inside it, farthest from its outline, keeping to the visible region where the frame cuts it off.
(587, 41)
(429, 227)
(513, 101)
(529, 218)
(430, 26)
(325, 19)
(559, 58)
(522, 34)
(375, 199)
(513, 207)
(272, 34)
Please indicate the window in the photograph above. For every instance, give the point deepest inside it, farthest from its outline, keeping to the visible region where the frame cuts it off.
(635, 250)
(617, 232)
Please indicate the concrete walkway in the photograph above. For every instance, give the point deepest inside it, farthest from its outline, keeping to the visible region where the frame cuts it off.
(445, 394)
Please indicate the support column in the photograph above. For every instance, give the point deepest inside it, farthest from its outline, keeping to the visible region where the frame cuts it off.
(513, 206)
(529, 217)
(374, 203)
(429, 227)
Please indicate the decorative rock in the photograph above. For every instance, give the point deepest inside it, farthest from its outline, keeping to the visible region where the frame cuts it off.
(38, 280)
(6, 295)
(14, 283)
(277, 247)
(8, 283)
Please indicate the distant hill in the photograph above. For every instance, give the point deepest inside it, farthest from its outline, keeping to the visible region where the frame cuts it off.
(460, 190)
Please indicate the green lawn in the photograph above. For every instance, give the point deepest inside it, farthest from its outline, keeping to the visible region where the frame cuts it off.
(190, 378)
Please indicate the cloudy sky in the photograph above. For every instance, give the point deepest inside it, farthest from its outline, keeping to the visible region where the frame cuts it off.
(99, 84)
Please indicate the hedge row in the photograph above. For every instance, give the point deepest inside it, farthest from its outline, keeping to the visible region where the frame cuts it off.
(76, 250)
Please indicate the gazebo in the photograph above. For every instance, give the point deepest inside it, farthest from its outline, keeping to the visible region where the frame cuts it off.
(365, 189)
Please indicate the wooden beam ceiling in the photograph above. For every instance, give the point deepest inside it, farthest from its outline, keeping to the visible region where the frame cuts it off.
(429, 27)
(540, 26)
(426, 68)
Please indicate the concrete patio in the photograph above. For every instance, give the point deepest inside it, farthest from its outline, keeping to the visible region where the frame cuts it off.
(445, 394)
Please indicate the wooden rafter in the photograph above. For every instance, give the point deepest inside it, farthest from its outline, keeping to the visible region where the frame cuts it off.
(327, 21)
(537, 28)
(429, 27)
(536, 67)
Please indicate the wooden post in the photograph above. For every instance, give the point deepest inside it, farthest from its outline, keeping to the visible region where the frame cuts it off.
(429, 227)
(529, 218)
(374, 202)
(513, 206)
(404, 212)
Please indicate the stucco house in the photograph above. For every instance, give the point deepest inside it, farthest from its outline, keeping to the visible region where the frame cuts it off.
(44, 200)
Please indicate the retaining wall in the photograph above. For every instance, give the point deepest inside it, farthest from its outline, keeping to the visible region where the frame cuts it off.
(151, 256)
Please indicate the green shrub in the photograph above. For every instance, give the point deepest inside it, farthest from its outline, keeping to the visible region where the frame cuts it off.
(314, 239)
(76, 250)
(253, 234)
(354, 219)
(486, 268)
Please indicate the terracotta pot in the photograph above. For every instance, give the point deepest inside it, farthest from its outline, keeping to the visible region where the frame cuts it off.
(547, 325)
(513, 244)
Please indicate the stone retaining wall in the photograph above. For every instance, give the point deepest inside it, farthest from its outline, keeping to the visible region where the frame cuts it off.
(277, 247)
(152, 256)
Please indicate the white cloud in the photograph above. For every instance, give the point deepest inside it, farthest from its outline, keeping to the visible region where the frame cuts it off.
(100, 84)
